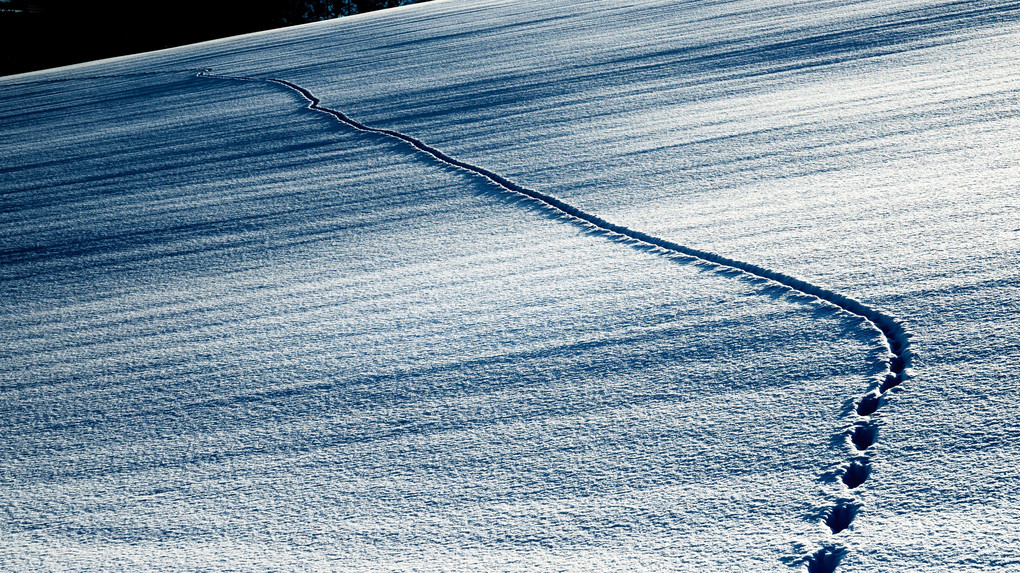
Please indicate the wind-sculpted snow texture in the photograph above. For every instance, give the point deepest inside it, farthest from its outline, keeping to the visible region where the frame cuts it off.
(236, 336)
(323, 348)
(863, 434)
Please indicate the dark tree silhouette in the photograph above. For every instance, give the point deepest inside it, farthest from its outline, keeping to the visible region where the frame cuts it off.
(363, 6)
(36, 34)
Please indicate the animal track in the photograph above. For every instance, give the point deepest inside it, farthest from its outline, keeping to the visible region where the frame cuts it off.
(864, 436)
(867, 405)
(895, 336)
(825, 560)
(841, 515)
(891, 381)
(856, 474)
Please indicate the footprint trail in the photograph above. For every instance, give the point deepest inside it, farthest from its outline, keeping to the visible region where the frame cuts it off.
(862, 435)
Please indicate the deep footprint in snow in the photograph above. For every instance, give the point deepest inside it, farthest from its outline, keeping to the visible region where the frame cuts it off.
(825, 560)
(856, 474)
(841, 516)
(864, 436)
(868, 405)
(891, 381)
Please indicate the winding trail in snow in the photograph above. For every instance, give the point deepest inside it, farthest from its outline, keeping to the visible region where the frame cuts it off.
(862, 434)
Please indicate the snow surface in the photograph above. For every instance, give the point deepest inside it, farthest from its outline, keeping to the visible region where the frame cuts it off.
(238, 334)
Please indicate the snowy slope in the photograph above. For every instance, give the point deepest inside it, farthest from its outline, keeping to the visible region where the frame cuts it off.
(239, 334)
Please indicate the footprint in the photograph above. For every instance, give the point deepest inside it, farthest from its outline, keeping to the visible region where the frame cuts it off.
(863, 436)
(841, 516)
(867, 405)
(825, 560)
(856, 474)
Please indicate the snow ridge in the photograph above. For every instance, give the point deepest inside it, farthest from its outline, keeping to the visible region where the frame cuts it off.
(4, 84)
(861, 435)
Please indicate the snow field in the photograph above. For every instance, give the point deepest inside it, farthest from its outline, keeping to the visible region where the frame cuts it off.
(240, 332)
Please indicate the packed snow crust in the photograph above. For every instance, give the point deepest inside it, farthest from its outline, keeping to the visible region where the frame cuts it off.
(237, 334)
